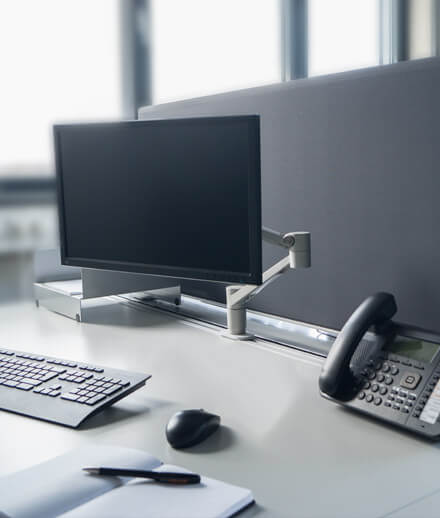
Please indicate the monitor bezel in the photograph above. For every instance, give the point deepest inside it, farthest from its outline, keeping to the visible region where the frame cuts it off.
(254, 276)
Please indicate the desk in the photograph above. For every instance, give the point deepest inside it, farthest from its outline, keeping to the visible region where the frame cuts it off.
(301, 455)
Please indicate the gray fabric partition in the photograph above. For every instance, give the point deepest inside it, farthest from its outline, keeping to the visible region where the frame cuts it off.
(354, 159)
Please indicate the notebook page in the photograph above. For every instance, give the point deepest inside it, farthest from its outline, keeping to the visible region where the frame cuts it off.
(58, 485)
(146, 499)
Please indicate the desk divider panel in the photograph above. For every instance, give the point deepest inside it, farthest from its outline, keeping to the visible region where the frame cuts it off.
(354, 158)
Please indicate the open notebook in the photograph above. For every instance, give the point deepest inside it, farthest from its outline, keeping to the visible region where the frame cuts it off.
(59, 488)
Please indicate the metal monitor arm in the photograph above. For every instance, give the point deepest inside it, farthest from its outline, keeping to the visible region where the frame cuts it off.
(237, 297)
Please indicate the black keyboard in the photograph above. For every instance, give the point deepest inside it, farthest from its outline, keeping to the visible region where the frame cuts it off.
(60, 391)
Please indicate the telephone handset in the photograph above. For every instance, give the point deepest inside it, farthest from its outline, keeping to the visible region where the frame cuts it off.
(336, 373)
(393, 373)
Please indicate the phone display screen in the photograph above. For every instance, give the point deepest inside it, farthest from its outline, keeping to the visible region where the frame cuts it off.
(413, 348)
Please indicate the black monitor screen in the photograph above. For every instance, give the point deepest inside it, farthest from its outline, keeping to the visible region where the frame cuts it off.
(168, 197)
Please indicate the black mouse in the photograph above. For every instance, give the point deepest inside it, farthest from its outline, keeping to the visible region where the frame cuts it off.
(189, 427)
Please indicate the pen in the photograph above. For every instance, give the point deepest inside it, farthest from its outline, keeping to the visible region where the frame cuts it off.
(165, 477)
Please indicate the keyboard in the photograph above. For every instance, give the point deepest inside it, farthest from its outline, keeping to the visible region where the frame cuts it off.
(60, 391)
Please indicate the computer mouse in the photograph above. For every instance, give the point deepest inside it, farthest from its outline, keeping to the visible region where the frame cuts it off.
(190, 427)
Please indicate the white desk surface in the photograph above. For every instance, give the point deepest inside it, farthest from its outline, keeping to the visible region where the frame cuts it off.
(301, 455)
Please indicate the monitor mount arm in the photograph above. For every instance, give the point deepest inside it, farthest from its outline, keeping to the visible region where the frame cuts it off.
(237, 297)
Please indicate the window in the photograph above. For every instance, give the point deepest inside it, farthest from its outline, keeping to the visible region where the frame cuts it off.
(343, 35)
(422, 28)
(59, 61)
(202, 47)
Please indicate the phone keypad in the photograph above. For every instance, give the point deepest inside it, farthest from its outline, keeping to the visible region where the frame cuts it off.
(379, 380)
(387, 382)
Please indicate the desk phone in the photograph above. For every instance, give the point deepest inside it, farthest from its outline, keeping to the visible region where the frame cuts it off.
(393, 375)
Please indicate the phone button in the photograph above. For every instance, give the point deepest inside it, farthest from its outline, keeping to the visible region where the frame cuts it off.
(383, 390)
(410, 380)
(389, 380)
(380, 378)
(370, 398)
(394, 370)
(385, 367)
(361, 395)
(378, 401)
(374, 387)
(387, 403)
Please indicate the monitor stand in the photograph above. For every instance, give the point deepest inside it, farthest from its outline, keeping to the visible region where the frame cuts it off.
(237, 297)
(70, 291)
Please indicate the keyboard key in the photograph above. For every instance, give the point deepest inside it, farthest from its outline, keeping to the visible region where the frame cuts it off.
(92, 401)
(112, 390)
(24, 386)
(58, 370)
(48, 376)
(69, 397)
(10, 383)
(32, 382)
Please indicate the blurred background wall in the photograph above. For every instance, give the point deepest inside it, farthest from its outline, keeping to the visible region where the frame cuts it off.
(77, 60)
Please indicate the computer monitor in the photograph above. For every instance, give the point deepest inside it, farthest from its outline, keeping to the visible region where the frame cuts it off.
(179, 198)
